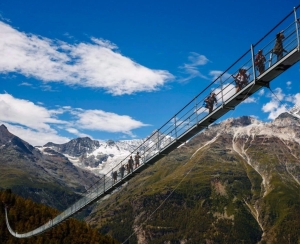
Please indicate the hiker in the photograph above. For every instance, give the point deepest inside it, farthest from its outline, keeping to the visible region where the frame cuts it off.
(241, 79)
(278, 48)
(127, 168)
(115, 175)
(130, 164)
(137, 159)
(260, 60)
(210, 100)
(122, 170)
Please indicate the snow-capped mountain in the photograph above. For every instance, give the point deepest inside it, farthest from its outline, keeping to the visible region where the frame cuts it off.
(295, 111)
(102, 156)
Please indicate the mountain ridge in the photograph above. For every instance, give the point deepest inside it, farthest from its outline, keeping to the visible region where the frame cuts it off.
(45, 177)
(227, 184)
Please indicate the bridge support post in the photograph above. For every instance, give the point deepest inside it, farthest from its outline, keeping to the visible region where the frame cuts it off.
(175, 127)
(196, 109)
(222, 90)
(297, 21)
(158, 141)
(253, 62)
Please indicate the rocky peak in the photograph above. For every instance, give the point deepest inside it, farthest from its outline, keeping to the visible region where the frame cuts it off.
(5, 135)
(3, 126)
(286, 116)
(231, 124)
(8, 139)
(241, 121)
(286, 119)
(110, 143)
(75, 147)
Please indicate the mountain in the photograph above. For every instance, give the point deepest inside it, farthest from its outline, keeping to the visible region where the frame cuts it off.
(236, 182)
(48, 177)
(99, 156)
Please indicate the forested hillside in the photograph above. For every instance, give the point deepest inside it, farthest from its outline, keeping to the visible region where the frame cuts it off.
(25, 215)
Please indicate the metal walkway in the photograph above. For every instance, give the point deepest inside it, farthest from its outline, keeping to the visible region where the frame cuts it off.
(193, 118)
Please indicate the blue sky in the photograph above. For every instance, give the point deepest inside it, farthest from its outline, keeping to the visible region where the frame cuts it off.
(120, 69)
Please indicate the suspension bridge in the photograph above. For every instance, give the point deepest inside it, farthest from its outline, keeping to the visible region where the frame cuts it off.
(194, 117)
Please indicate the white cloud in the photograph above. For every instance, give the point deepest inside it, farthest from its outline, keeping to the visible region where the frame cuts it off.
(94, 65)
(216, 73)
(39, 125)
(197, 59)
(106, 121)
(35, 138)
(26, 113)
(191, 69)
(25, 84)
(278, 94)
(261, 92)
(297, 99)
(250, 100)
(276, 105)
(76, 132)
(273, 109)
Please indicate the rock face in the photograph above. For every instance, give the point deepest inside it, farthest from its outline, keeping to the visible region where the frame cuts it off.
(238, 181)
(75, 147)
(47, 177)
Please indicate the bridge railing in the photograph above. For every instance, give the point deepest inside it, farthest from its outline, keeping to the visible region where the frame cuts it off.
(223, 85)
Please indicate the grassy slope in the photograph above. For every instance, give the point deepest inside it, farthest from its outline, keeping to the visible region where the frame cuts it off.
(196, 211)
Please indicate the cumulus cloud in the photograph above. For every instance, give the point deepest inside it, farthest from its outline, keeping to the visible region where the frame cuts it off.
(38, 125)
(24, 112)
(280, 103)
(297, 99)
(274, 109)
(35, 138)
(106, 121)
(95, 65)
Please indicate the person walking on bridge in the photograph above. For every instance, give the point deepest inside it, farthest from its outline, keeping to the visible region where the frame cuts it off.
(260, 60)
(241, 79)
(210, 100)
(122, 170)
(130, 164)
(278, 48)
(137, 159)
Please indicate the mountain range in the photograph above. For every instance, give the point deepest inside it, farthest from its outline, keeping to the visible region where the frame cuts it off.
(99, 157)
(236, 182)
